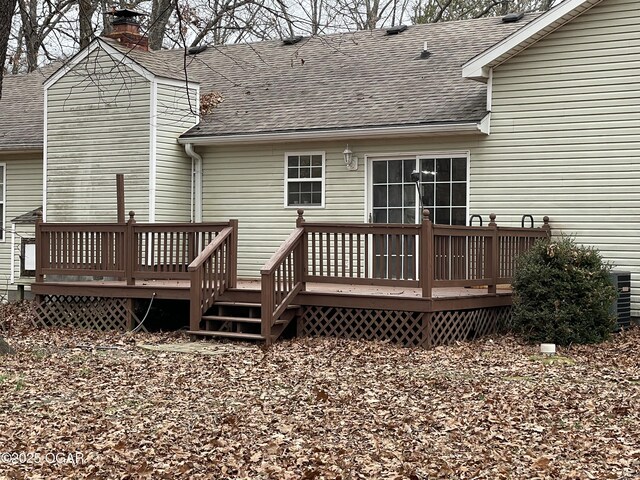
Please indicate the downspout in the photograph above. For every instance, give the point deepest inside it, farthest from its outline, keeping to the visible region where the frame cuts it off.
(12, 271)
(196, 182)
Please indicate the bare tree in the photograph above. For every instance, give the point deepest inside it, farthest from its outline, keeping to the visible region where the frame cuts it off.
(7, 8)
(161, 11)
(86, 10)
(431, 11)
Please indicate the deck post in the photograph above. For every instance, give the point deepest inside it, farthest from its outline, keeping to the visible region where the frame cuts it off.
(120, 196)
(40, 244)
(129, 315)
(267, 288)
(302, 256)
(195, 300)
(233, 255)
(493, 256)
(130, 249)
(546, 226)
(426, 254)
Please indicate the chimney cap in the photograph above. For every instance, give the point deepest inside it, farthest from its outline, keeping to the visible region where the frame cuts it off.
(126, 13)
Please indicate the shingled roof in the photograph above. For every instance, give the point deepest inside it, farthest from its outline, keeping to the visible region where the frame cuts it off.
(362, 79)
(21, 111)
(339, 81)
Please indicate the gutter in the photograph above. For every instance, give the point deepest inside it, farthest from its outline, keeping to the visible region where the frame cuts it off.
(17, 149)
(196, 182)
(334, 134)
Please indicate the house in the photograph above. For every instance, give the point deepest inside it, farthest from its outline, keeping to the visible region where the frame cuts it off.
(536, 116)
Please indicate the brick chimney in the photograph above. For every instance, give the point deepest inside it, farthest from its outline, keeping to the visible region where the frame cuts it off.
(126, 29)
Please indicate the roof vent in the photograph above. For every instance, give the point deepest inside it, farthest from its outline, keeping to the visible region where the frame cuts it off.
(292, 40)
(196, 50)
(396, 30)
(512, 17)
(425, 51)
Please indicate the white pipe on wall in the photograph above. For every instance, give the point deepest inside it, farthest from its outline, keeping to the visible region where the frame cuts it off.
(196, 191)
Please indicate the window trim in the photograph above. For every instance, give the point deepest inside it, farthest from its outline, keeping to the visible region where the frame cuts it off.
(287, 179)
(3, 201)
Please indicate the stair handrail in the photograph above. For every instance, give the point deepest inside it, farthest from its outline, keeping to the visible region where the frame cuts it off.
(282, 278)
(211, 273)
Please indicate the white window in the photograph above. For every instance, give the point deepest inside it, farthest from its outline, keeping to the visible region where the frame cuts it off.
(304, 179)
(3, 179)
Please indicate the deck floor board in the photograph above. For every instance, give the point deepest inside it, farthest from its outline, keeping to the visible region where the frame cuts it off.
(113, 287)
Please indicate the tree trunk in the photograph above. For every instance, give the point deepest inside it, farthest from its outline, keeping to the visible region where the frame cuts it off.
(29, 15)
(86, 10)
(5, 348)
(7, 7)
(160, 13)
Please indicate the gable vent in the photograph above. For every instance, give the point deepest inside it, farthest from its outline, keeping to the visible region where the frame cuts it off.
(396, 30)
(292, 40)
(512, 17)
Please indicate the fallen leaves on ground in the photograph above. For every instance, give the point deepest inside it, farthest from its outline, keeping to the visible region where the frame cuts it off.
(316, 409)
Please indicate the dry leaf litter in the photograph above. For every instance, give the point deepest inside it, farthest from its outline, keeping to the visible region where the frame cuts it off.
(314, 408)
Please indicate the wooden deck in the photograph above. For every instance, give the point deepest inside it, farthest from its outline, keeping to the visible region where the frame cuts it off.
(386, 278)
(179, 290)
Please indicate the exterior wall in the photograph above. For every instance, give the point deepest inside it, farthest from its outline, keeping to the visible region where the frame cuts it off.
(98, 117)
(23, 194)
(247, 183)
(175, 113)
(565, 135)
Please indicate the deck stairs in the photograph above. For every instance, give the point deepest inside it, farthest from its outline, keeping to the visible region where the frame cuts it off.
(240, 320)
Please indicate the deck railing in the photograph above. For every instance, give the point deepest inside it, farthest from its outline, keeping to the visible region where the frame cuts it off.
(362, 253)
(129, 250)
(80, 249)
(281, 280)
(212, 272)
(424, 255)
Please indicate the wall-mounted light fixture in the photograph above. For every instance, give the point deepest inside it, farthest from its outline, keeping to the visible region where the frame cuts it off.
(350, 160)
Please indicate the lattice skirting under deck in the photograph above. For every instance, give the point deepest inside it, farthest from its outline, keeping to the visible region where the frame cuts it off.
(92, 313)
(452, 326)
(411, 329)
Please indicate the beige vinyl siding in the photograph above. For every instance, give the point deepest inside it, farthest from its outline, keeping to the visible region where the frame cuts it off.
(23, 194)
(98, 117)
(565, 135)
(247, 183)
(175, 113)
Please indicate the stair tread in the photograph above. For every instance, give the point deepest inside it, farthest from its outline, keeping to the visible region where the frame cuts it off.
(210, 333)
(237, 319)
(237, 304)
(226, 318)
(244, 304)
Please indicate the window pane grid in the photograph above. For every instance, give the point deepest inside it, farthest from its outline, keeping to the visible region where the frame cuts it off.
(446, 194)
(395, 195)
(304, 179)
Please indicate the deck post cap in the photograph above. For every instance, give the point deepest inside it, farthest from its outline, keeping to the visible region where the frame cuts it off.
(131, 214)
(426, 214)
(545, 220)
